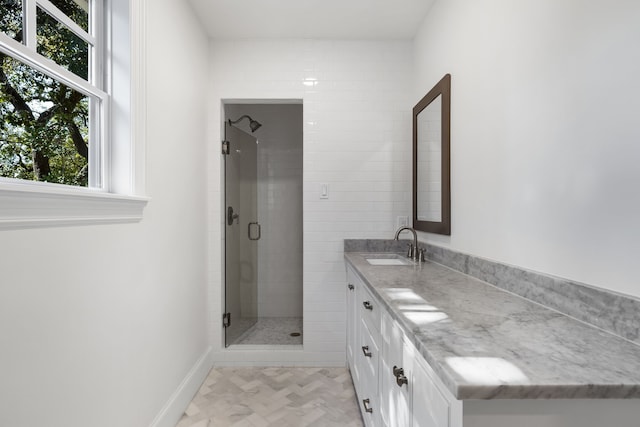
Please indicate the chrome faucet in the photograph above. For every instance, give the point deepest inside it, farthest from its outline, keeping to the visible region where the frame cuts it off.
(413, 248)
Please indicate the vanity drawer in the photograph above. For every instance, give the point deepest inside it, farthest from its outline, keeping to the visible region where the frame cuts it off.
(370, 310)
(369, 353)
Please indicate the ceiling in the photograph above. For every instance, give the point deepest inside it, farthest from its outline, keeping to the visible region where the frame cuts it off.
(326, 19)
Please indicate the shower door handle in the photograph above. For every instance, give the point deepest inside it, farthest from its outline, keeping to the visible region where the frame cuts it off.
(257, 224)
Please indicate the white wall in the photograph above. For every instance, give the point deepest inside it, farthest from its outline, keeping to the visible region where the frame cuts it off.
(545, 102)
(356, 124)
(279, 205)
(99, 325)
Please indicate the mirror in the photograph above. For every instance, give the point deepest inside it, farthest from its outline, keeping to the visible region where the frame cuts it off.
(431, 160)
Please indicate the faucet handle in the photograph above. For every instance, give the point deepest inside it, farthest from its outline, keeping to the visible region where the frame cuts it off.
(411, 250)
(421, 255)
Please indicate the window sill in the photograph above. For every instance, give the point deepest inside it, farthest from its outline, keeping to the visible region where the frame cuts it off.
(36, 205)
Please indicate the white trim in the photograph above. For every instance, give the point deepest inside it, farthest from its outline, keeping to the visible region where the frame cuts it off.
(55, 13)
(173, 409)
(262, 101)
(102, 63)
(25, 204)
(29, 22)
(98, 110)
(98, 153)
(48, 67)
(138, 25)
(28, 204)
(99, 15)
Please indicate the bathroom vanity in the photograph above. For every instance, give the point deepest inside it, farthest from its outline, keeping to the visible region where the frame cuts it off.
(430, 346)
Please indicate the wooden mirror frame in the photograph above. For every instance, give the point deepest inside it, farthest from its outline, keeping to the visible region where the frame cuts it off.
(443, 87)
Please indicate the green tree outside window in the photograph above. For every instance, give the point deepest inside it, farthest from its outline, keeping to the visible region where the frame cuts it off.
(44, 125)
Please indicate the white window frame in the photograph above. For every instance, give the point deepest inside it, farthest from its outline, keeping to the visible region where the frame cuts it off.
(116, 187)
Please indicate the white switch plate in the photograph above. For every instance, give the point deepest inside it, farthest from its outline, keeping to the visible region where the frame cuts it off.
(402, 221)
(324, 190)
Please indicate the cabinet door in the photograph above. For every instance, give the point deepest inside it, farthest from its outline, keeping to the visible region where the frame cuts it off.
(430, 407)
(352, 286)
(366, 364)
(368, 399)
(395, 399)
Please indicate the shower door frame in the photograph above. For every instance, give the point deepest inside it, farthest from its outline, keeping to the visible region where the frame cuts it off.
(229, 355)
(240, 284)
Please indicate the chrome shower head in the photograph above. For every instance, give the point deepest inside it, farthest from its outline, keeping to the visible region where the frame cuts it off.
(253, 124)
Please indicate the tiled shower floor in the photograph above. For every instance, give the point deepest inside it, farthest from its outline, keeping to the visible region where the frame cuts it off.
(273, 331)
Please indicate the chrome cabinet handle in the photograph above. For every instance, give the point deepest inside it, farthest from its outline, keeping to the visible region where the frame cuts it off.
(368, 305)
(351, 287)
(366, 402)
(249, 230)
(365, 350)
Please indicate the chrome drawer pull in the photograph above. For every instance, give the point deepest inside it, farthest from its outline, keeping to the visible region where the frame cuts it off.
(365, 350)
(365, 402)
(368, 305)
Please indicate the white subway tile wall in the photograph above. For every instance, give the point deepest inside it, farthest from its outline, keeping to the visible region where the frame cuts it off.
(357, 102)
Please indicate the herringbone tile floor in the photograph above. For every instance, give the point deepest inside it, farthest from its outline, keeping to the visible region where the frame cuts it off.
(270, 397)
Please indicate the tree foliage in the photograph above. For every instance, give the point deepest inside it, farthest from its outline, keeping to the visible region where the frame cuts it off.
(43, 123)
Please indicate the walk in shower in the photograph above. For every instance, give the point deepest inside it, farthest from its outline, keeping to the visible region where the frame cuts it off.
(263, 223)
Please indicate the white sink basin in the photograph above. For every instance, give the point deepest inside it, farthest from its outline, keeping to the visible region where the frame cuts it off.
(387, 259)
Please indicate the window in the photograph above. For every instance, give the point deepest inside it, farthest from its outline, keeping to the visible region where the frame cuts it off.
(52, 106)
(62, 158)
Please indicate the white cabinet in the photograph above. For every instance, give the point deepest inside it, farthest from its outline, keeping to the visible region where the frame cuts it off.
(411, 396)
(396, 387)
(430, 408)
(433, 406)
(367, 357)
(363, 347)
(395, 397)
(352, 284)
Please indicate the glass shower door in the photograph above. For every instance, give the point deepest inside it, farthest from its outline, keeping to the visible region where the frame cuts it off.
(241, 233)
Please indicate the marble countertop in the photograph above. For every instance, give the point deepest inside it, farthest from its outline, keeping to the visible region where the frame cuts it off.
(485, 343)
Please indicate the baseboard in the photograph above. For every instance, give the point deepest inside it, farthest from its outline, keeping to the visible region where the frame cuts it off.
(172, 411)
